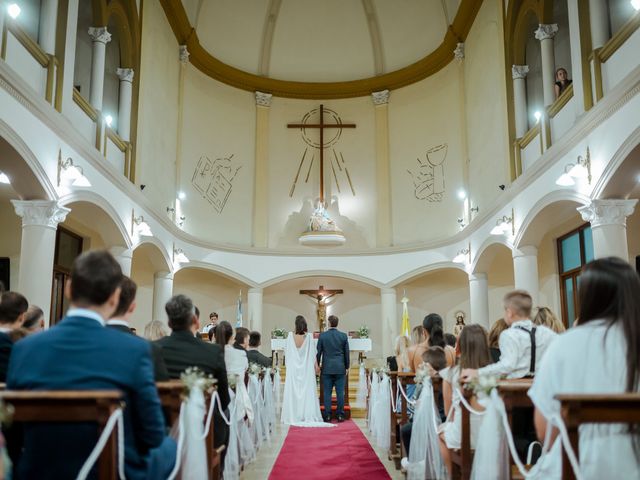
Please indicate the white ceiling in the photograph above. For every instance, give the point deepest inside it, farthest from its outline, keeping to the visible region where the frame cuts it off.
(320, 41)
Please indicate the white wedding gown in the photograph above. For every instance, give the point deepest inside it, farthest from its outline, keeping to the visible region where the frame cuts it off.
(301, 406)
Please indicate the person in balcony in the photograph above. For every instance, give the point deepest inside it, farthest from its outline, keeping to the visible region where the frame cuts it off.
(562, 81)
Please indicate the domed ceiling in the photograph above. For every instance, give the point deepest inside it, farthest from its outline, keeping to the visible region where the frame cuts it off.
(374, 44)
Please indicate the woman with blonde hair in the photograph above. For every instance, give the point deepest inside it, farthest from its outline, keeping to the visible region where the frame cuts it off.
(545, 317)
(154, 330)
(497, 328)
(401, 358)
(420, 343)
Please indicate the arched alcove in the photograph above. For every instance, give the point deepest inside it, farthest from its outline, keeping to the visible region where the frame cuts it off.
(495, 259)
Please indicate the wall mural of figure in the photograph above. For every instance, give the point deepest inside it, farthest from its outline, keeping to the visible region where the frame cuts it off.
(429, 177)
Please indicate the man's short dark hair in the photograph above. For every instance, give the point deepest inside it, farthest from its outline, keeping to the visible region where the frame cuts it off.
(95, 275)
(333, 320)
(12, 305)
(213, 314)
(128, 289)
(180, 312)
(33, 317)
(197, 312)
(254, 339)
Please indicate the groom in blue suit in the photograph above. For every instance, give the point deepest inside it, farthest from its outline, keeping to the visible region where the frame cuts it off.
(333, 355)
(80, 353)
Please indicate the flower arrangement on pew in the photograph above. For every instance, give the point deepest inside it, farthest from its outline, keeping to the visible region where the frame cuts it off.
(192, 378)
(483, 385)
(255, 369)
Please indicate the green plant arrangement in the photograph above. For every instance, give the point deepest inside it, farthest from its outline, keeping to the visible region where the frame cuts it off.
(279, 333)
(363, 331)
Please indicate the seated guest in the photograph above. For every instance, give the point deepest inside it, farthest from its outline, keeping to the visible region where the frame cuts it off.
(154, 330)
(420, 340)
(433, 327)
(13, 308)
(34, 319)
(18, 334)
(235, 353)
(450, 339)
(400, 362)
(600, 356)
(518, 342)
(546, 317)
(120, 321)
(253, 354)
(182, 350)
(497, 328)
(80, 354)
(474, 354)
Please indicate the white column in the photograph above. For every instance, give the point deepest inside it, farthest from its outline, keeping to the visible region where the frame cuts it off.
(573, 9)
(69, 59)
(123, 256)
(100, 37)
(608, 220)
(261, 192)
(389, 331)
(254, 310)
(48, 21)
(519, 74)
(124, 106)
(162, 292)
(479, 299)
(384, 236)
(599, 20)
(525, 270)
(40, 220)
(545, 34)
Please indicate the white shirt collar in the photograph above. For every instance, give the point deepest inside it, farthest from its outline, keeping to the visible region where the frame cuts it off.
(118, 321)
(522, 323)
(5, 329)
(85, 312)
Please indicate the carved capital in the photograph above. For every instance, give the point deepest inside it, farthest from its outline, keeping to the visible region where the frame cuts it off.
(607, 212)
(183, 53)
(163, 276)
(380, 98)
(125, 74)
(99, 34)
(458, 53)
(519, 71)
(40, 213)
(545, 32)
(525, 251)
(263, 99)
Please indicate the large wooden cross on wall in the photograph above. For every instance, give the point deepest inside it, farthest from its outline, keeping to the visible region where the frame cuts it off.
(321, 295)
(321, 126)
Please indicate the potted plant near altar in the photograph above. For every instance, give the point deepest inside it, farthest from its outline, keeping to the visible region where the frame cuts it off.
(362, 332)
(279, 333)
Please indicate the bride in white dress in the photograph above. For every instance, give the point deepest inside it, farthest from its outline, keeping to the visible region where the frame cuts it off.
(301, 406)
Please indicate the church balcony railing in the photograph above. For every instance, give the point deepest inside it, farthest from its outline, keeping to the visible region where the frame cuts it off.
(37, 68)
(120, 156)
(528, 148)
(560, 117)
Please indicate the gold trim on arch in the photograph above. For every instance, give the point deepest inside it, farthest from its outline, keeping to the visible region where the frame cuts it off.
(214, 68)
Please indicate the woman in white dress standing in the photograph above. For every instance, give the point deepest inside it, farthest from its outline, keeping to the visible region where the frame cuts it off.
(301, 405)
(600, 355)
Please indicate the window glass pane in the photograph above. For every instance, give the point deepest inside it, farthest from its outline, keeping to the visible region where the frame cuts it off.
(588, 244)
(571, 252)
(569, 300)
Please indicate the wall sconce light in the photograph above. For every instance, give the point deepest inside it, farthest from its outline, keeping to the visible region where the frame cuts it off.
(4, 178)
(14, 10)
(108, 119)
(182, 195)
(537, 115)
(463, 256)
(475, 209)
(139, 226)
(179, 256)
(580, 169)
(504, 225)
(171, 210)
(70, 174)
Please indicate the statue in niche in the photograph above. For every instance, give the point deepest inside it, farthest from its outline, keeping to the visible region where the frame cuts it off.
(321, 222)
(429, 179)
(457, 329)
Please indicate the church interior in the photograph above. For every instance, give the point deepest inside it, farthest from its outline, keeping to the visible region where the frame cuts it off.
(377, 161)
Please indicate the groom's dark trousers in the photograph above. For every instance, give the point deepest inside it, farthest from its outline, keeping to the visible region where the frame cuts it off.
(333, 355)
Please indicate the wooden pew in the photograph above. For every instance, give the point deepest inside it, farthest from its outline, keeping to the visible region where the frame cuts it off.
(579, 409)
(398, 419)
(514, 395)
(462, 459)
(71, 406)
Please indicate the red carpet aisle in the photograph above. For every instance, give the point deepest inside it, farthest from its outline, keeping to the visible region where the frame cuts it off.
(340, 453)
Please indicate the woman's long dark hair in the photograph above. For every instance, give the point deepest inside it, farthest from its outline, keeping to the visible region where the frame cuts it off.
(301, 325)
(610, 290)
(474, 347)
(224, 330)
(436, 337)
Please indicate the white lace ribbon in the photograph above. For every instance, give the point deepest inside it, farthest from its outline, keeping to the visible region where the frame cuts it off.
(401, 389)
(467, 405)
(115, 419)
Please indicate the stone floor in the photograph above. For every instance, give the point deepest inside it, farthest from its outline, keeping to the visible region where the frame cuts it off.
(261, 467)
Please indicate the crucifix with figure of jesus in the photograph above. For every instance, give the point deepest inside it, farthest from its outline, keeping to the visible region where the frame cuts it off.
(321, 295)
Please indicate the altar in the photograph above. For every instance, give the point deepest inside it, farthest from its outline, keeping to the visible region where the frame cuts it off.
(359, 345)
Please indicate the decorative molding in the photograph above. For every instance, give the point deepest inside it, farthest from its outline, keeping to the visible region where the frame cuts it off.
(607, 212)
(99, 34)
(380, 98)
(183, 53)
(519, 71)
(546, 31)
(163, 276)
(125, 74)
(263, 99)
(211, 66)
(458, 53)
(40, 213)
(525, 251)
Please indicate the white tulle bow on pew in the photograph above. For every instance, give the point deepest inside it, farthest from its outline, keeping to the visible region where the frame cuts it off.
(361, 397)
(380, 410)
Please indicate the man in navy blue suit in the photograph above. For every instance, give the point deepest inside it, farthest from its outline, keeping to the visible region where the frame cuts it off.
(333, 356)
(81, 354)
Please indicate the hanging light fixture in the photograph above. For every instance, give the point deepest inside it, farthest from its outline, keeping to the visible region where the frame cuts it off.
(179, 256)
(504, 225)
(139, 226)
(463, 256)
(71, 174)
(581, 169)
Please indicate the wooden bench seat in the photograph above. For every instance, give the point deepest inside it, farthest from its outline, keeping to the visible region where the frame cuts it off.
(71, 406)
(514, 395)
